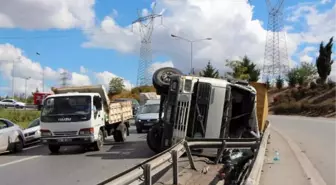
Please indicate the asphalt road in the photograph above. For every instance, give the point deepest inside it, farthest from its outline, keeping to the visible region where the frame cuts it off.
(315, 137)
(36, 166)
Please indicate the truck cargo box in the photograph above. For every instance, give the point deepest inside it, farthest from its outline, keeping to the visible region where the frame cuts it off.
(120, 111)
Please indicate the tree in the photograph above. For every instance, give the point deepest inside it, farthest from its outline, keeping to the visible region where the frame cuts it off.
(116, 85)
(209, 71)
(306, 73)
(268, 83)
(252, 71)
(303, 74)
(239, 71)
(244, 70)
(279, 82)
(324, 62)
(292, 77)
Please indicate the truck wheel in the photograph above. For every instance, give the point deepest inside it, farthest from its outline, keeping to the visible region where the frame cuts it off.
(54, 148)
(100, 141)
(154, 139)
(120, 134)
(161, 78)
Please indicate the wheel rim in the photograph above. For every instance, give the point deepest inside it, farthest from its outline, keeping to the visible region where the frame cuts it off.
(165, 77)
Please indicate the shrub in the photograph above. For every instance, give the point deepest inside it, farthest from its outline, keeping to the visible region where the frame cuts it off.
(313, 85)
(287, 108)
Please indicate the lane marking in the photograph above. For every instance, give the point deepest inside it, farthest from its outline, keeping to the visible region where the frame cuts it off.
(306, 164)
(20, 160)
(31, 147)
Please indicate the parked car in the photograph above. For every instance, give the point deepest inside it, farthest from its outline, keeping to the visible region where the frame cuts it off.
(11, 136)
(147, 116)
(12, 103)
(32, 132)
(135, 104)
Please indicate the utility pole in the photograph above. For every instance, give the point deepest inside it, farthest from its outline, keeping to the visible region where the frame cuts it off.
(37, 53)
(191, 49)
(26, 79)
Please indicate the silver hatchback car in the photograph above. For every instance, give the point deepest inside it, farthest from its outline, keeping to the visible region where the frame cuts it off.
(11, 136)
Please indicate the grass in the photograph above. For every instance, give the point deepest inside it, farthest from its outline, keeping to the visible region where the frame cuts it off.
(20, 117)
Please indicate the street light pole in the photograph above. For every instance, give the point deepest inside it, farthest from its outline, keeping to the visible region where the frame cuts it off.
(191, 48)
(13, 76)
(37, 53)
(26, 79)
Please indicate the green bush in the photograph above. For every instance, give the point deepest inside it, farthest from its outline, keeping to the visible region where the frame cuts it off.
(288, 108)
(313, 85)
(20, 117)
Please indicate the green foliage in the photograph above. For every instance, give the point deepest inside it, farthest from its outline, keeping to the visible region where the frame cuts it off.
(324, 62)
(303, 74)
(292, 77)
(279, 82)
(268, 83)
(21, 117)
(209, 71)
(244, 70)
(116, 85)
(239, 71)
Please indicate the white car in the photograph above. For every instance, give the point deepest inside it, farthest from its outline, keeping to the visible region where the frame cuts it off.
(32, 132)
(11, 103)
(11, 136)
(147, 116)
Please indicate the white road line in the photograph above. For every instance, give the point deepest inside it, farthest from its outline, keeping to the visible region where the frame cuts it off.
(28, 148)
(20, 160)
(306, 164)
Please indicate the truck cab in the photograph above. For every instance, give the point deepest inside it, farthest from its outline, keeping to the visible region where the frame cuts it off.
(74, 116)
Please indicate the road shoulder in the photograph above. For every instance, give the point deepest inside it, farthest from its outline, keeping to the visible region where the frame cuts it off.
(286, 170)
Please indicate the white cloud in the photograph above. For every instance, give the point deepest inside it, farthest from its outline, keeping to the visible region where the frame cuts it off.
(229, 23)
(41, 14)
(82, 69)
(157, 65)
(25, 67)
(325, 1)
(105, 77)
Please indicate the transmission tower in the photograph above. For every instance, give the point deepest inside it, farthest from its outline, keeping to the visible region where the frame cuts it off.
(65, 77)
(146, 27)
(276, 61)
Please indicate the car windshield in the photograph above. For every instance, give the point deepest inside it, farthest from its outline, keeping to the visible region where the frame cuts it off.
(151, 108)
(69, 105)
(34, 123)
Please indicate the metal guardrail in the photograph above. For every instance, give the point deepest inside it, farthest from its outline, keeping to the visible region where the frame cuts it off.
(143, 173)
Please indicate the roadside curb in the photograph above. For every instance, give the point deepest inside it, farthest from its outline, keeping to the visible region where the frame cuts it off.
(254, 177)
(307, 167)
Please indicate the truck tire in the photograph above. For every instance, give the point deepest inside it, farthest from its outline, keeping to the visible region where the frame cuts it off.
(54, 148)
(120, 133)
(161, 78)
(154, 137)
(100, 141)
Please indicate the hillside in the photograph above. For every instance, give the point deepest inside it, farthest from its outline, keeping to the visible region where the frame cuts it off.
(314, 101)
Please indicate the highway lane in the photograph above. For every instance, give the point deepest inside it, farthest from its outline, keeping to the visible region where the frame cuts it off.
(316, 138)
(36, 166)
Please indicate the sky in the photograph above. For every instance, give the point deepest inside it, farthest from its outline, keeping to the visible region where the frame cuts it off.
(94, 40)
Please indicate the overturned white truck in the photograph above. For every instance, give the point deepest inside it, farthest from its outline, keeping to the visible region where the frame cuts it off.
(200, 107)
(218, 123)
(83, 115)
